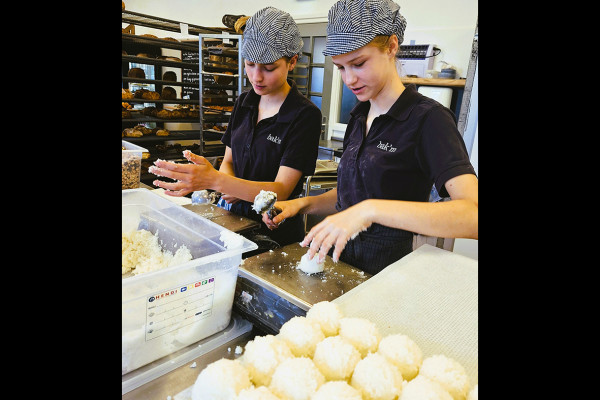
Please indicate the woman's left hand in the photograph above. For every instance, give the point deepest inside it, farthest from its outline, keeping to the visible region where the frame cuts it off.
(198, 175)
(336, 230)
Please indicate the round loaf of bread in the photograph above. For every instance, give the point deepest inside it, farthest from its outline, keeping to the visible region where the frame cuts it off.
(169, 76)
(168, 93)
(136, 73)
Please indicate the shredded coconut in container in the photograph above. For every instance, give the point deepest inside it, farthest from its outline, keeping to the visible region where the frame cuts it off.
(141, 252)
(231, 240)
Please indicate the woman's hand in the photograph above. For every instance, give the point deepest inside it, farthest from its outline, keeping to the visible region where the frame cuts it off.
(198, 175)
(288, 208)
(336, 230)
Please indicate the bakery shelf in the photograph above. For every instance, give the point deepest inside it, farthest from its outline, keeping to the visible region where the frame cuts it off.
(159, 82)
(162, 101)
(163, 43)
(162, 63)
(153, 139)
(164, 24)
(145, 118)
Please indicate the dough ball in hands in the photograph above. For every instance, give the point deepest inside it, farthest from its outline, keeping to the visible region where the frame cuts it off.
(362, 333)
(262, 355)
(301, 335)
(336, 390)
(221, 380)
(336, 358)
(296, 379)
(257, 393)
(376, 378)
(448, 373)
(328, 315)
(403, 352)
(421, 388)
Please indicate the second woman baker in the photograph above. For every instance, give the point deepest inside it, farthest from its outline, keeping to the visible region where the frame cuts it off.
(273, 133)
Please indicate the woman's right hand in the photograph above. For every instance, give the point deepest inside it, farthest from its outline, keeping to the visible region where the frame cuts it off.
(288, 208)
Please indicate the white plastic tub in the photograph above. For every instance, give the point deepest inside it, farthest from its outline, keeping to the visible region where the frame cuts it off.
(166, 310)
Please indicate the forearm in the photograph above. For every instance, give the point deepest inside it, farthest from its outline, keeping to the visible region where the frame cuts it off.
(323, 204)
(246, 189)
(450, 219)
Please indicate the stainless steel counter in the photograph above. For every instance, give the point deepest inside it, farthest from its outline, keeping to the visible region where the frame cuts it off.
(277, 270)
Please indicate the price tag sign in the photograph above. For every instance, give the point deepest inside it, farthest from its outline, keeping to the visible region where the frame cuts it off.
(183, 28)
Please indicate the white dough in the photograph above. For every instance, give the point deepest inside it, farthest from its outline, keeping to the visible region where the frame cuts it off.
(448, 373)
(221, 380)
(262, 199)
(421, 388)
(328, 315)
(296, 379)
(336, 390)
(403, 352)
(361, 332)
(257, 393)
(301, 335)
(474, 393)
(336, 358)
(262, 355)
(376, 378)
(311, 266)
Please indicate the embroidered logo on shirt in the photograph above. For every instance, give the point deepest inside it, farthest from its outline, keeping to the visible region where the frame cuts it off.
(274, 139)
(386, 147)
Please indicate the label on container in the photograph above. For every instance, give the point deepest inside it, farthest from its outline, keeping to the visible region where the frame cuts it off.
(175, 308)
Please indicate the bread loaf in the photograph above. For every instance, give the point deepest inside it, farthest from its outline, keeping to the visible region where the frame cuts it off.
(136, 73)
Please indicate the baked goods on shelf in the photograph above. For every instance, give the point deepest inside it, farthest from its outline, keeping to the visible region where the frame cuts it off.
(136, 73)
(126, 94)
(169, 76)
(162, 132)
(131, 132)
(125, 114)
(150, 95)
(168, 93)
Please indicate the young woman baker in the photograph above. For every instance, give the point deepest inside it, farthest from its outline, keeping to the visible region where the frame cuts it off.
(273, 133)
(397, 144)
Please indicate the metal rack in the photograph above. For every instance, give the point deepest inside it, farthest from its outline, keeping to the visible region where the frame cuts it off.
(218, 89)
(135, 44)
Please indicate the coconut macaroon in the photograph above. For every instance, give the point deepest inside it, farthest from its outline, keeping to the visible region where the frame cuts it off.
(448, 373)
(328, 315)
(257, 393)
(362, 333)
(262, 355)
(296, 379)
(336, 358)
(301, 335)
(403, 352)
(474, 393)
(376, 378)
(336, 390)
(221, 380)
(422, 388)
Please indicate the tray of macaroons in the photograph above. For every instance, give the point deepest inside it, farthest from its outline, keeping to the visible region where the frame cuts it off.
(327, 356)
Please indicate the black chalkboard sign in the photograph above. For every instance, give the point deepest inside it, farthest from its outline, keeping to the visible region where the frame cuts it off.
(190, 76)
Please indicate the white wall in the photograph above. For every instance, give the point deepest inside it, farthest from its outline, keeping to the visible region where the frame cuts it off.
(450, 25)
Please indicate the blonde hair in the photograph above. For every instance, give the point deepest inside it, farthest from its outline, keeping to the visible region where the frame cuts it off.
(382, 43)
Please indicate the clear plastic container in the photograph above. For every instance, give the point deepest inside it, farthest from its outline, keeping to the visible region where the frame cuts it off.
(166, 310)
(131, 165)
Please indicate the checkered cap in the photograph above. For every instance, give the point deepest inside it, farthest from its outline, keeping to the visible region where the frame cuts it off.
(269, 35)
(352, 24)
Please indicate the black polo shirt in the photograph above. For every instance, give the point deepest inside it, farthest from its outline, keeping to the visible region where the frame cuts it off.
(409, 148)
(289, 138)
